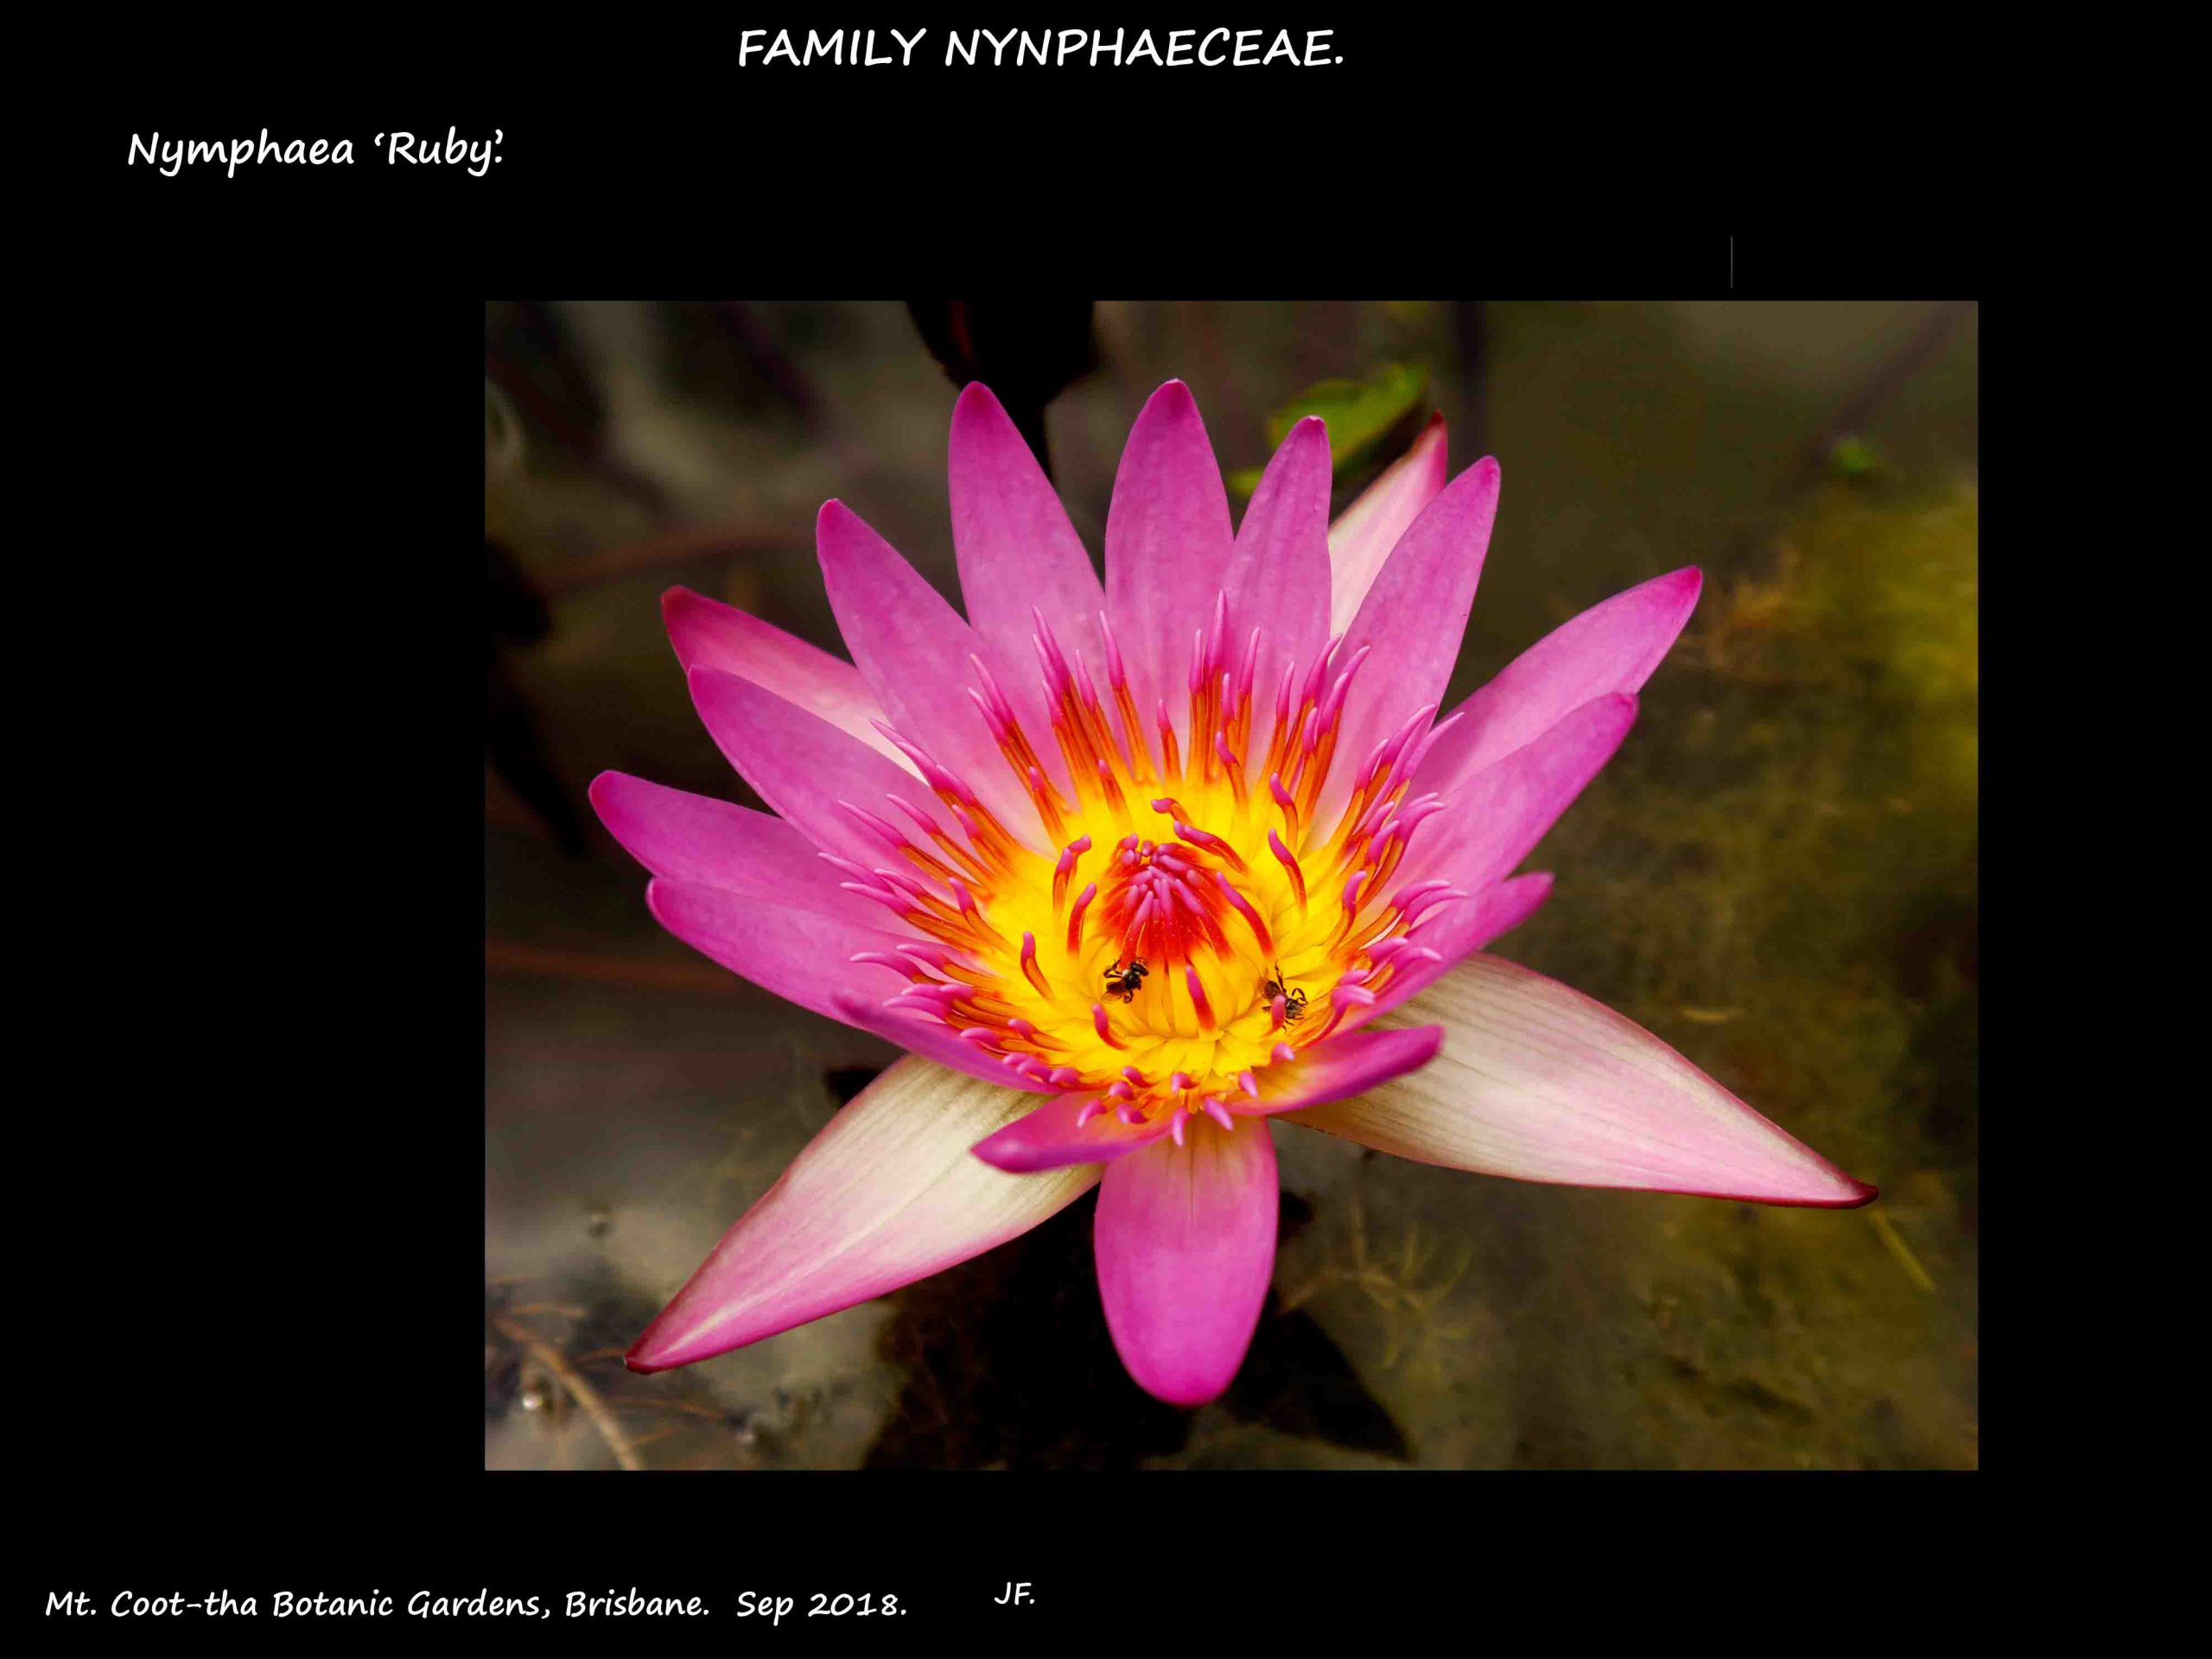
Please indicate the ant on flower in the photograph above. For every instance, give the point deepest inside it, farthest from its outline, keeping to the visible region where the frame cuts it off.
(1128, 981)
(1294, 999)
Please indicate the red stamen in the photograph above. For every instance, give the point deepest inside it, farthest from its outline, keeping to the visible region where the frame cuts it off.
(1198, 1000)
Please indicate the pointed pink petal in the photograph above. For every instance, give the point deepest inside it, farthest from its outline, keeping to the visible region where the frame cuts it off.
(1278, 578)
(1050, 1136)
(767, 906)
(710, 634)
(887, 1194)
(913, 651)
(1338, 1067)
(1186, 1241)
(1613, 646)
(1412, 620)
(806, 959)
(1365, 531)
(1539, 1082)
(719, 844)
(803, 766)
(802, 955)
(1454, 930)
(1168, 548)
(1016, 551)
(1504, 811)
(930, 1037)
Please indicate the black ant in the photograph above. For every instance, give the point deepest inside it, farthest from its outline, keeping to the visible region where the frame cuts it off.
(1128, 981)
(1294, 999)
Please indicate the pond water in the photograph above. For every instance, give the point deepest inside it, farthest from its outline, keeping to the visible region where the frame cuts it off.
(1776, 875)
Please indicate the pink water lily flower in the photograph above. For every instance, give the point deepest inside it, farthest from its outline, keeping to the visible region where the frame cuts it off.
(1130, 872)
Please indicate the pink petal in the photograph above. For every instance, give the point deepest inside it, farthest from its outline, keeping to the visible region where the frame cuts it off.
(1278, 578)
(802, 955)
(913, 651)
(1168, 548)
(806, 959)
(1613, 646)
(1186, 1241)
(767, 907)
(1411, 622)
(803, 766)
(1050, 1136)
(716, 843)
(1453, 930)
(710, 634)
(928, 1036)
(1337, 1067)
(1502, 812)
(1016, 551)
(1539, 1082)
(887, 1194)
(1365, 531)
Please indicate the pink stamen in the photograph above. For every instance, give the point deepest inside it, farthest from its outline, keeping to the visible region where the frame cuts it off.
(1099, 1023)
(1075, 917)
(1352, 895)
(887, 832)
(936, 998)
(1030, 970)
(1428, 901)
(1066, 868)
(1334, 704)
(1410, 764)
(1234, 765)
(1116, 675)
(1048, 653)
(1283, 857)
(1243, 907)
(896, 964)
(1317, 674)
(890, 901)
(1212, 843)
(1001, 729)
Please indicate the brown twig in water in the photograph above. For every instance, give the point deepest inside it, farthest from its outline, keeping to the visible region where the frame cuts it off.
(504, 958)
(684, 546)
(579, 1390)
(1890, 377)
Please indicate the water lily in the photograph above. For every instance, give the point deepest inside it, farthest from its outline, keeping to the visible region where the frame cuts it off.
(1130, 872)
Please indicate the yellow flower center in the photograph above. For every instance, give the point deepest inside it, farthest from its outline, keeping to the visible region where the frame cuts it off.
(1195, 927)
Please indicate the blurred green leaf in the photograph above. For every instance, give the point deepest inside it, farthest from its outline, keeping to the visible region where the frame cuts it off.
(1360, 413)
(1854, 458)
